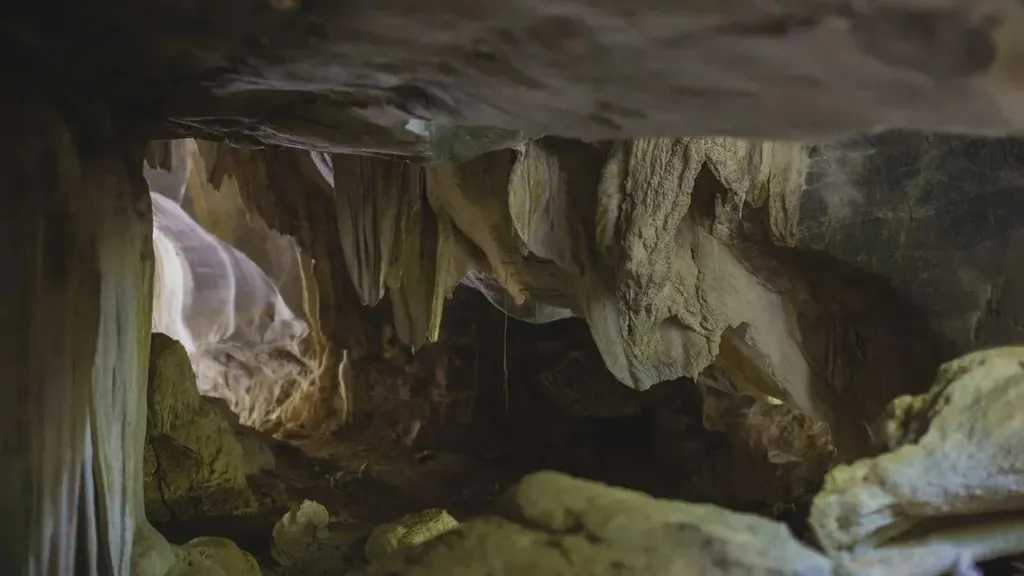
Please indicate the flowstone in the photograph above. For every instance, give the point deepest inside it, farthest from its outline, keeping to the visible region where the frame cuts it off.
(950, 489)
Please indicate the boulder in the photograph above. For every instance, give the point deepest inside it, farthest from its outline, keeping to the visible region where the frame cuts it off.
(214, 557)
(551, 525)
(949, 491)
(194, 465)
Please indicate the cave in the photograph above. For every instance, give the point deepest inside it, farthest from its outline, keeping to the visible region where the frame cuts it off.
(534, 288)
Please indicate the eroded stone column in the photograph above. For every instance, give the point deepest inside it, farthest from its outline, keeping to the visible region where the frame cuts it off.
(74, 342)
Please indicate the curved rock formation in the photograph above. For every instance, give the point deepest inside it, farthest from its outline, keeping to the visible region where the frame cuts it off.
(243, 339)
(679, 254)
(207, 292)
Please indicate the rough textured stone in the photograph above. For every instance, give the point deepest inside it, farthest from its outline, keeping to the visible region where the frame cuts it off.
(213, 557)
(309, 215)
(403, 79)
(304, 544)
(194, 463)
(680, 253)
(365, 76)
(265, 371)
(410, 530)
(939, 216)
(660, 245)
(950, 482)
(556, 525)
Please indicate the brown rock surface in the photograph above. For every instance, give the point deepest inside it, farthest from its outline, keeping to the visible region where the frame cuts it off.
(366, 75)
(194, 464)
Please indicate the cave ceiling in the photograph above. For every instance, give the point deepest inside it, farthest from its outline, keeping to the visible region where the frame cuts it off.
(405, 78)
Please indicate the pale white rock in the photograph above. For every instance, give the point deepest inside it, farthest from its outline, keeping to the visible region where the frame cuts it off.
(954, 473)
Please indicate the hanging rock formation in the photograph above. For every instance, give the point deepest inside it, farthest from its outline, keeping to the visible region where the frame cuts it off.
(676, 252)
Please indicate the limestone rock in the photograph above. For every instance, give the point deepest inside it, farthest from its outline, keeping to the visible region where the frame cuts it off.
(256, 453)
(950, 482)
(408, 531)
(936, 215)
(553, 524)
(778, 455)
(214, 557)
(296, 530)
(356, 77)
(152, 554)
(194, 464)
(530, 310)
(303, 543)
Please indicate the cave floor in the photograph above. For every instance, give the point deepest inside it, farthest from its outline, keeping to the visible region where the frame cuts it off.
(365, 478)
(362, 479)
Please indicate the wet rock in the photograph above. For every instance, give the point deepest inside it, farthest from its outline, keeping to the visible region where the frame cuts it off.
(408, 531)
(552, 524)
(950, 489)
(194, 465)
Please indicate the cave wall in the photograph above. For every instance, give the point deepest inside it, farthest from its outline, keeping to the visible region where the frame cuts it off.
(937, 216)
